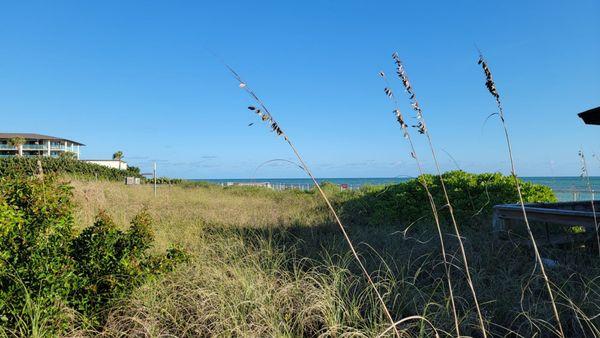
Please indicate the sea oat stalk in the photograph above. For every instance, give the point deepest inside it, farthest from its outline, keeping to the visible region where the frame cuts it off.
(491, 86)
(265, 115)
(586, 176)
(400, 118)
(422, 128)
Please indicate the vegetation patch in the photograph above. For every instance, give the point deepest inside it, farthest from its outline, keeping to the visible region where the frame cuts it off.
(46, 271)
(24, 166)
(473, 197)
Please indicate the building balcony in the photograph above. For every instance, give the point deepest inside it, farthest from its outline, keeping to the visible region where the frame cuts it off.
(35, 147)
(26, 147)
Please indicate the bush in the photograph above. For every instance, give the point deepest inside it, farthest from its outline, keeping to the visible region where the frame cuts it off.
(164, 180)
(472, 197)
(36, 220)
(19, 166)
(41, 258)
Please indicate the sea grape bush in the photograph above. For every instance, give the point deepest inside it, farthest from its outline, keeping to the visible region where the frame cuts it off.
(41, 258)
(472, 196)
(19, 166)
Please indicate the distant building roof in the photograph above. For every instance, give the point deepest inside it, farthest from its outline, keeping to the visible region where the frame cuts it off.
(5, 136)
(591, 116)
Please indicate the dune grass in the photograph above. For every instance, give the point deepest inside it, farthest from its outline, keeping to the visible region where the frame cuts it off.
(268, 263)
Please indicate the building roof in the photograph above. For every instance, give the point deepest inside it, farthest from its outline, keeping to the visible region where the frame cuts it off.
(4, 136)
(591, 116)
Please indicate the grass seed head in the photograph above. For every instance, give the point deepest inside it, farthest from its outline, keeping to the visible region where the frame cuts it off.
(489, 81)
(411, 94)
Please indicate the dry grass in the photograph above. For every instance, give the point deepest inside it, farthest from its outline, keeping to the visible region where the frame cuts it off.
(271, 263)
(491, 86)
(266, 116)
(434, 209)
(182, 213)
(422, 128)
(239, 283)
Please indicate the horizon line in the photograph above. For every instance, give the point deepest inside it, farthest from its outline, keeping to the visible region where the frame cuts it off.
(353, 178)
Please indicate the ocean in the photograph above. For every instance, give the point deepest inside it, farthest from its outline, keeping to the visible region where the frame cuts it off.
(565, 188)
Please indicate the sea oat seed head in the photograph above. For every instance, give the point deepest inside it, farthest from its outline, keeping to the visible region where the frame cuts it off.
(400, 118)
(388, 92)
(489, 81)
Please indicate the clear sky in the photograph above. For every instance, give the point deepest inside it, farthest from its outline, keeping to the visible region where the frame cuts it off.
(137, 77)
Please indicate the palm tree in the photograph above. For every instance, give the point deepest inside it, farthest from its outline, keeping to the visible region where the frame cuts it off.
(67, 155)
(117, 156)
(18, 143)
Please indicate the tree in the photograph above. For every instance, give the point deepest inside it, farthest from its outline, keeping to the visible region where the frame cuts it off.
(118, 156)
(18, 143)
(67, 155)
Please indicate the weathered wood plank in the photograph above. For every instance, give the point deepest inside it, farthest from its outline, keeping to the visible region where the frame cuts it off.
(569, 213)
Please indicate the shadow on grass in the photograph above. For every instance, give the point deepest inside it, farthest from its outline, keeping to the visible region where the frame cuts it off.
(407, 265)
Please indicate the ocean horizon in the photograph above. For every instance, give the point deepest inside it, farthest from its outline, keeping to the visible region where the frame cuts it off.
(566, 188)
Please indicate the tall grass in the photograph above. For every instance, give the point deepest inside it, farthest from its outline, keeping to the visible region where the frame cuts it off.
(404, 127)
(31, 320)
(244, 285)
(422, 128)
(586, 176)
(266, 116)
(491, 86)
(269, 263)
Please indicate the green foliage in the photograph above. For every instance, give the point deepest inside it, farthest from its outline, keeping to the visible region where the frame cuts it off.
(133, 171)
(34, 247)
(111, 262)
(118, 155)
(17, 141)
(42, 262)
(196, 184)
(67, 155)
(328, 188)
(18, 166)
(164, 180)
(472, 197)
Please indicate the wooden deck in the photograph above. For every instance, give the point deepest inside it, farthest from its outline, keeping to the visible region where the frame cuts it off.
(506, 217)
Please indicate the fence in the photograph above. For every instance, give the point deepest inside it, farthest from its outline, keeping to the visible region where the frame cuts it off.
(287, 186)
(563, 195)
(574, 195)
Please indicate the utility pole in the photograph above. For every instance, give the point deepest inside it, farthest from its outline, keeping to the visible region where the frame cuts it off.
(154, 179)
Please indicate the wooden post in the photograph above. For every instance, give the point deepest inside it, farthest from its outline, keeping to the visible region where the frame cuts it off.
(498, 223)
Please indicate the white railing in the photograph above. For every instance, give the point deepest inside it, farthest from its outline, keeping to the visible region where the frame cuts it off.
(35, 147)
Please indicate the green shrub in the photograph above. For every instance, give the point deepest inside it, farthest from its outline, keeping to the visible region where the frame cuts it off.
(110, 262)
(36, 233)
(19, 166)
(472, 195)
(42, 261)
(163, 180)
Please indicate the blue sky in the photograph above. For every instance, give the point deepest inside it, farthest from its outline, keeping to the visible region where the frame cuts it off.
(137, 77)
